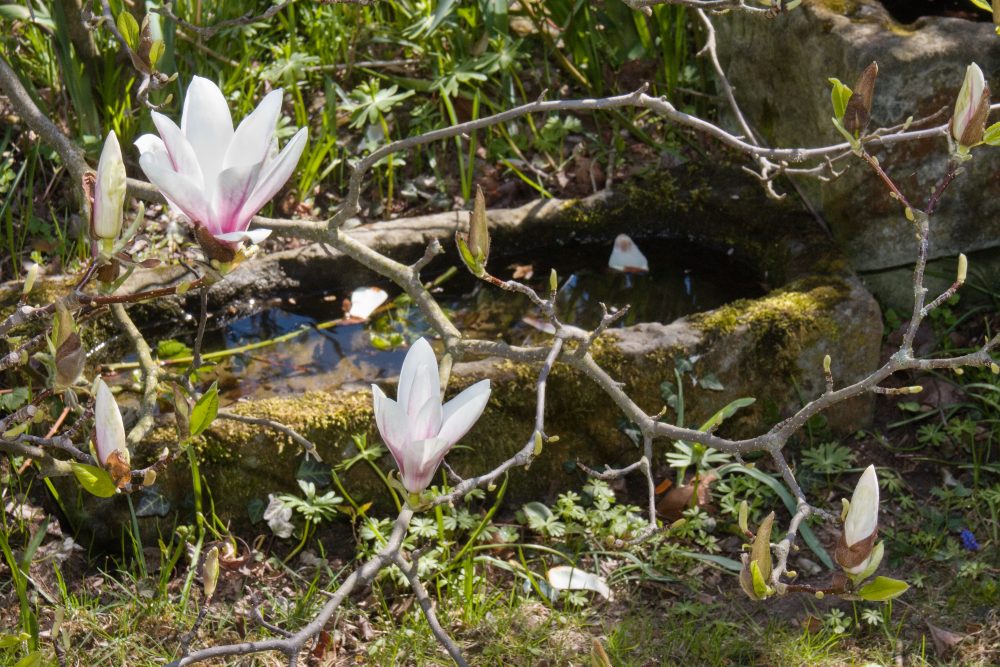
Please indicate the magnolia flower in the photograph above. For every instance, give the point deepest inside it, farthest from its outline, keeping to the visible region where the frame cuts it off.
(109, 429)
(627, 257)
(971, 109)
(417, 428)
(108, 192)
(855, 549)
(218, 177)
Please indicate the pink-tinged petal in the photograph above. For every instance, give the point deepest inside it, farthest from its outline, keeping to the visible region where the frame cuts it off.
(230, 193)
(275, 174)
(426, 422)
(109, 429)
(423, 459)
(252, 139)
(254, 236)
(462, 412)
(392, 423)
(208, 126)
(627, 257)
(862, 516)
(178, 189)
(418, 379)
(182, 156)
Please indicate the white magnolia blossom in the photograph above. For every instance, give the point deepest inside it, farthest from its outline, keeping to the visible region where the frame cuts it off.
(417, 428)
(109, 192)
(627, 257)
(109, 430)
(217, 176)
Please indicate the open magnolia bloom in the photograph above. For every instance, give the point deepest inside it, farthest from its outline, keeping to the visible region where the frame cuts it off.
(856, 548)
(217, 176)
(416, 427)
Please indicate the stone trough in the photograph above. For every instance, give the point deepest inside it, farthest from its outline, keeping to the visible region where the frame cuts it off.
(770, 348)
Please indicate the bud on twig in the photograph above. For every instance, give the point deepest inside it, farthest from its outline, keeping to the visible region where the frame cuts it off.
(859, 106)
(474, 247)
(210, 572)
(855, 549)
(108, 194)
(757, 567)
(971, 109)
(963, 263)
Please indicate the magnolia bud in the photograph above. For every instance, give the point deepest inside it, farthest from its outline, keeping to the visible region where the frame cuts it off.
(827, 361)
(963, 268)
(30, 277)
(859, 106)
(971, 109)
(479, 233)
(210, 572)
(109, 192)
(854, 549)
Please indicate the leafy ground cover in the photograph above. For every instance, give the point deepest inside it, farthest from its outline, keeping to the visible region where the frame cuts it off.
(674, 599)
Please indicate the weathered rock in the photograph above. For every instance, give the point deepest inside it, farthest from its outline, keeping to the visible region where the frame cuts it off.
(921, 67)
(770, 348)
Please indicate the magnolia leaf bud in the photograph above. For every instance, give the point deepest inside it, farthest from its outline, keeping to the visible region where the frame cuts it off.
(963, 268)
(827, 361)
(744, 512)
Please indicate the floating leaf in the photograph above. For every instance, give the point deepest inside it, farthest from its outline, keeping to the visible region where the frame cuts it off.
(170, 348)
(204, 411)
(94, 480)
(880, 589)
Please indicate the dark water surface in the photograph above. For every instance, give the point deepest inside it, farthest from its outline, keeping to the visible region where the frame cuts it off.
(684, 278)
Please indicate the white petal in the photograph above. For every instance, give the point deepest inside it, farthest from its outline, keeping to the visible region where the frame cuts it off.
(276, 173)
(418, 379)
(178, 148)
(230, 193)
(627, 257)
(253, 136)
(150, 143)
(461, 412)
(365, 300)
(392, 424)
(862, 517)
(564, 577)
(208, 126)
(109, 429)
(252, 235)
(180, 190)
